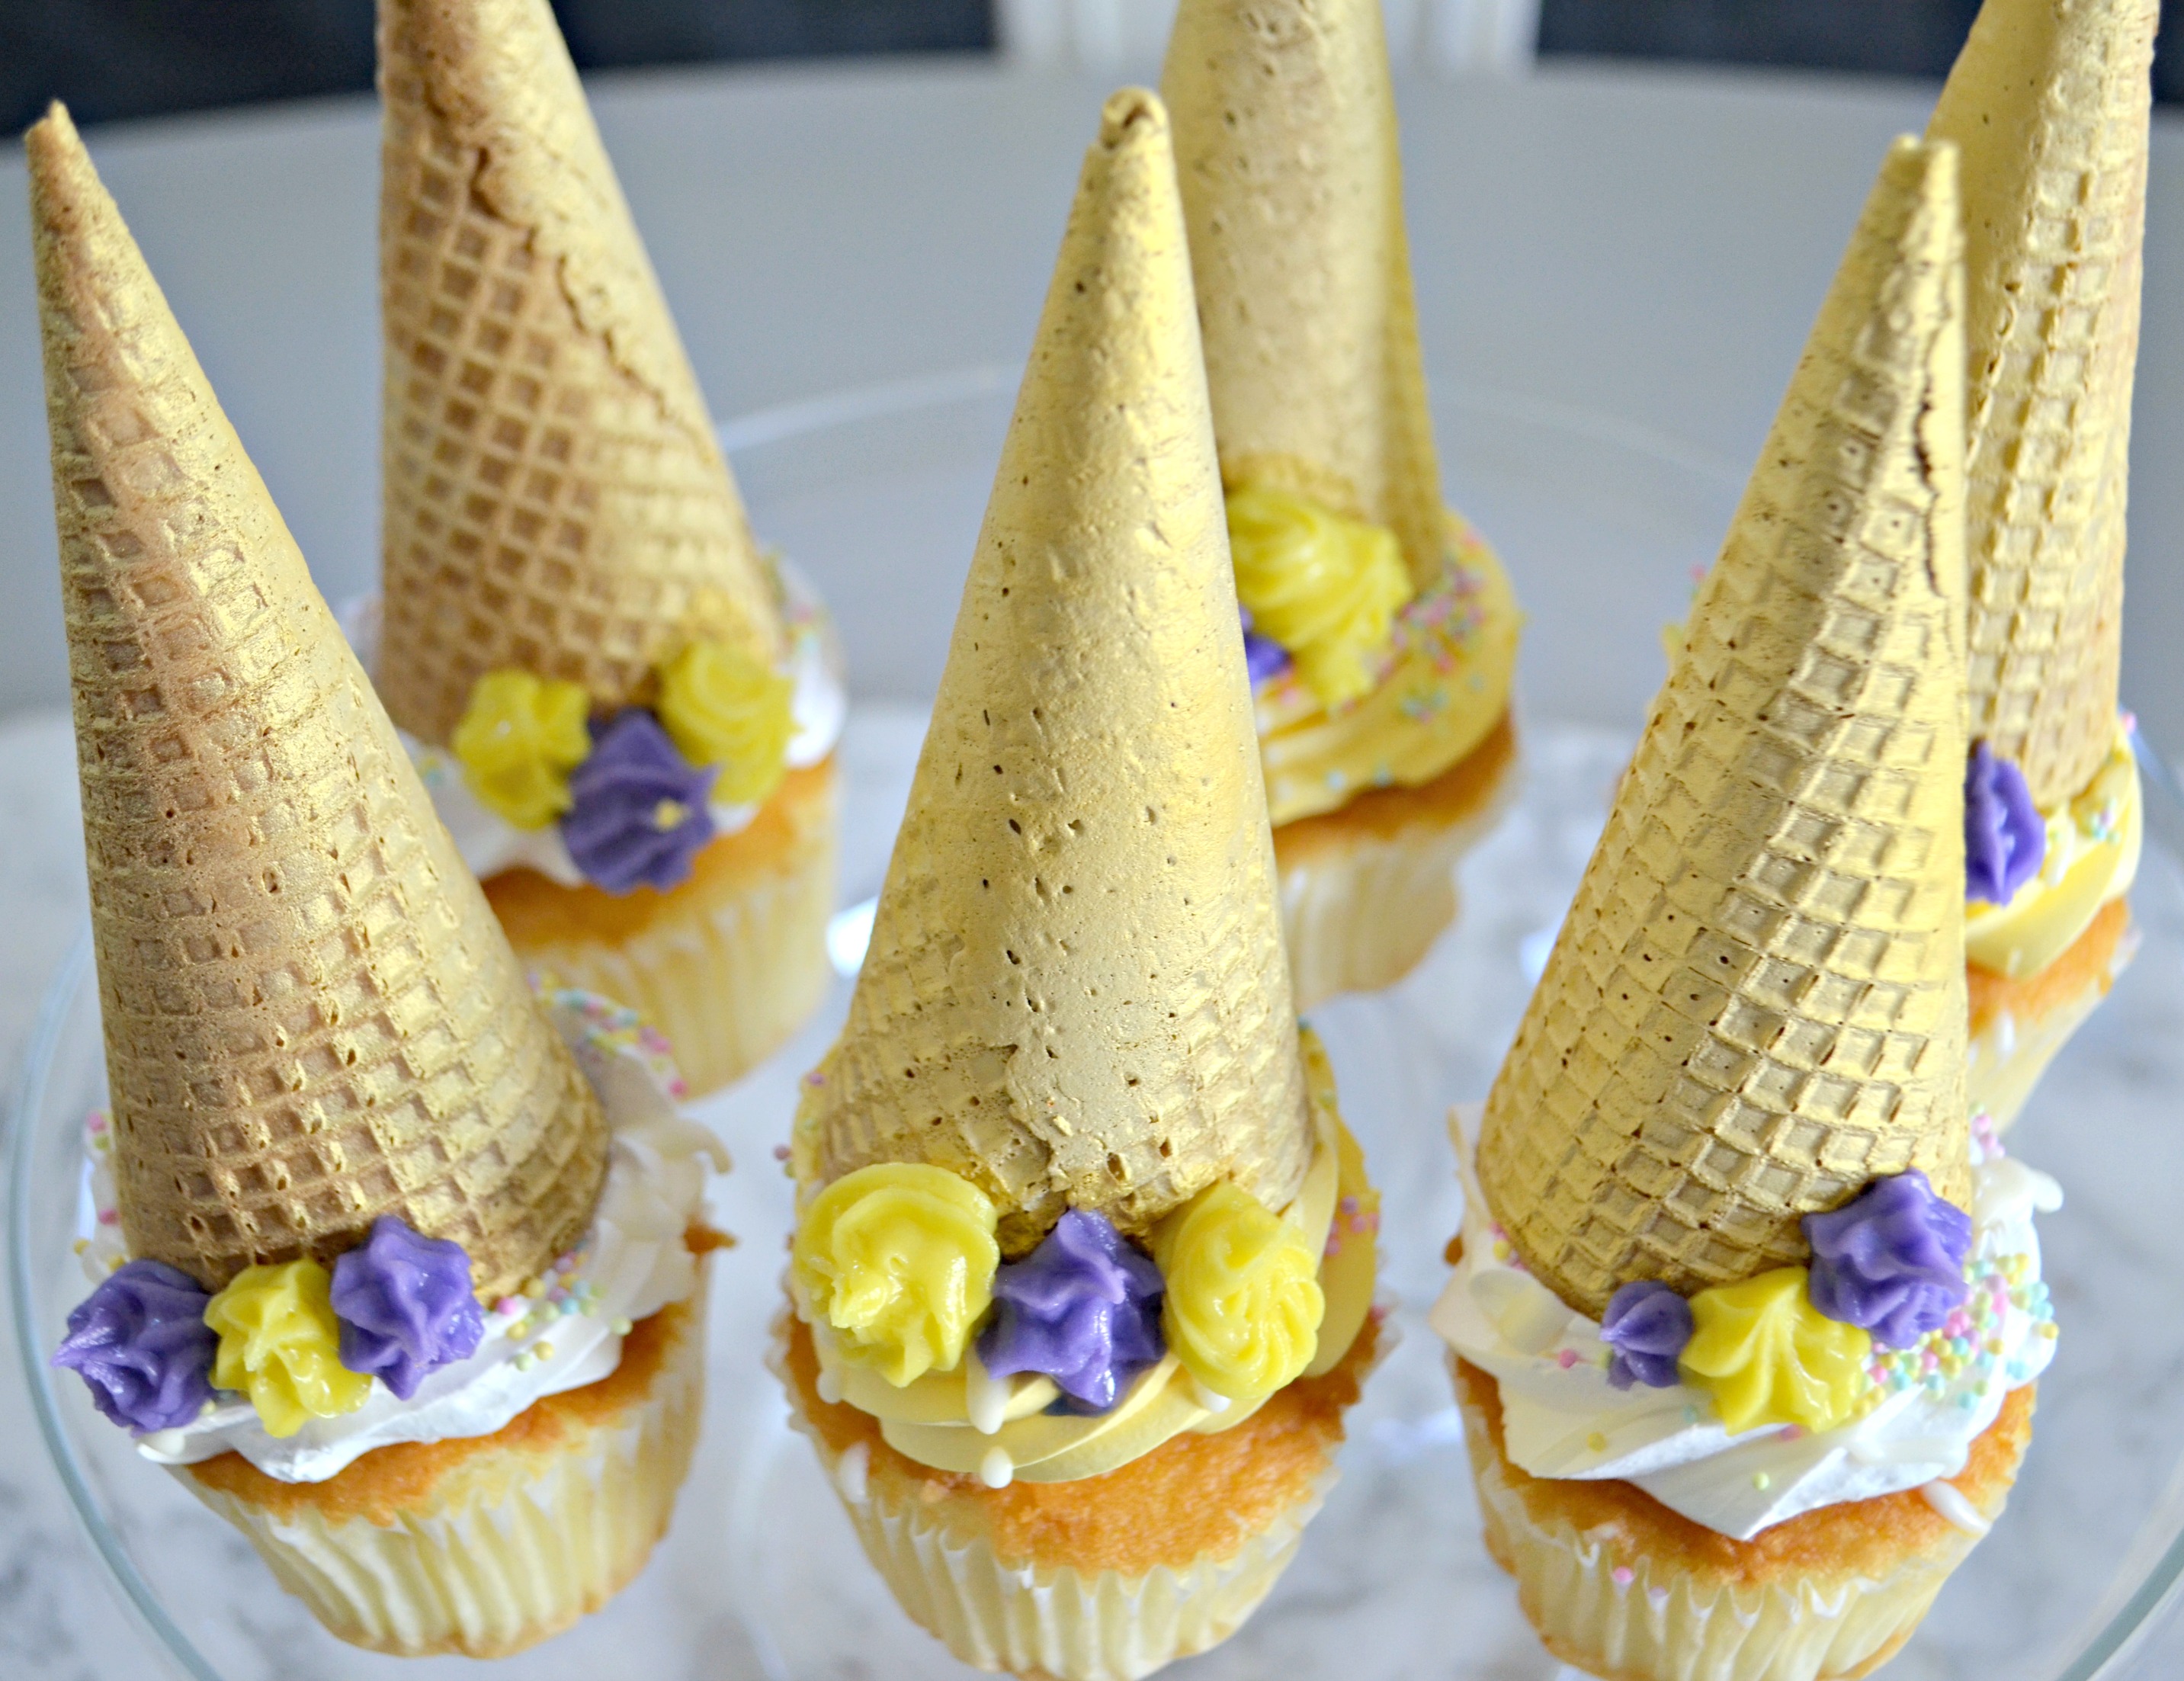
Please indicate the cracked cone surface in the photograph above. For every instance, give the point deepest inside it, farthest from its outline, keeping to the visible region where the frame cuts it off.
(1757, 1003)
(1076, 993)
(1286, 149)
(311, 1017)
(555, 499)
(2049, 104)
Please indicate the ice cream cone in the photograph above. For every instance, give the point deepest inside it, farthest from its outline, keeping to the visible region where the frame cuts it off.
(1075, 994)
(2049, 104)
(555, 498)
(1757, 1005)
(311, 1017)
(1292, 187)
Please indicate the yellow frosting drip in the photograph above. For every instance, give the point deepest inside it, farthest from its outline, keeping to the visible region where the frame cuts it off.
(517, 742)
(1325, 587)
(929, 1419)
(722, 706)
(898, 1260)
(280, 1345)
(1769, 1357)
(1440, 685)
(2093, 845)
(1244, 1303)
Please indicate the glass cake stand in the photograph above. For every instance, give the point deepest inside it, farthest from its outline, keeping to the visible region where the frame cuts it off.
(878, 494)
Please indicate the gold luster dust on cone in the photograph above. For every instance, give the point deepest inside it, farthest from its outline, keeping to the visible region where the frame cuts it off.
(1292, 187)
(311, 1017)
(2050, 103)
(1075, 992)
(555, 497)
(1757, 1001)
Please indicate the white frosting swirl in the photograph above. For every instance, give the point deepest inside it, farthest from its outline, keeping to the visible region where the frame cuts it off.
(490, 843)
(1562, 1418)
(631, 1263)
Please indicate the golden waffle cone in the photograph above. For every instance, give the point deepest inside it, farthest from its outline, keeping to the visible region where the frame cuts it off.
(1757, 1003)
(555, 497)
(2049, 103)
(1075, 992)
(1292, 187)
(311, 1017)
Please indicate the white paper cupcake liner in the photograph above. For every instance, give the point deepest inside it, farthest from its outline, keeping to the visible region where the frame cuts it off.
(1670, 1619)
(1359, 912)
(1044, 1619)
(727, 973)
(516, 1544)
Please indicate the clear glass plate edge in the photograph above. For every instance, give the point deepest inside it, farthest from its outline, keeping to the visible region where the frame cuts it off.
(2099, 1657)
(137, 1594)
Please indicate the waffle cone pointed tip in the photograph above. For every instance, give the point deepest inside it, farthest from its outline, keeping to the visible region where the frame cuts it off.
(1286, 149)
(2050, 102)
(311, 1017)
(1075, 994)
(555, 499)
(1757, 1005)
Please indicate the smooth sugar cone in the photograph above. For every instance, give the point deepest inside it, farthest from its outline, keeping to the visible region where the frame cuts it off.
(1292, 188)
(2049, 104)
(1757, 1003)
(311, 1017)
(1075, 994)
(555, 497)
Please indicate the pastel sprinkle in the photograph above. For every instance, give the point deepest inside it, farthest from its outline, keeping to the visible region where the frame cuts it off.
(1623, 1575)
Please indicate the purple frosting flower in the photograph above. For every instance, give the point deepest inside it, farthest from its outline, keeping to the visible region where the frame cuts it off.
(1264, 657)
(1647, 1324)
(2005, 838)
(1084, 1308)
(640, 815)
(405, 1305)
(140, 1342)
(1891, 1260)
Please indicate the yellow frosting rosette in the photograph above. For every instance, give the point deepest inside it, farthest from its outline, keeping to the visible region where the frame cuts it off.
(518, 740)
(898, 1260)
(1327, 589)
(722, 706)
(1244, 1302)
(965, 1420)
(1767, 1357)
(280, 1344)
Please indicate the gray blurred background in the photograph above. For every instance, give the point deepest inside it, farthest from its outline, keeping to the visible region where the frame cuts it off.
(117, 58)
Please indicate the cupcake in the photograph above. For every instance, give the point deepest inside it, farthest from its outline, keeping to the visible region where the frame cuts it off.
(397, 1268)
(2049, 104)
(1081, 1281)
(1746, 1314)
(624, 709)
(1381, 632)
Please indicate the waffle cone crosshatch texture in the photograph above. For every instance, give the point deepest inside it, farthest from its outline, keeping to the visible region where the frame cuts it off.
(1060, 1264)
(1072, 1071)
(555, 499)
(312, 1018)
(1382, 630)
(1757, 1005)
(2051, 103)
(1075, 993)
(1292, 185)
